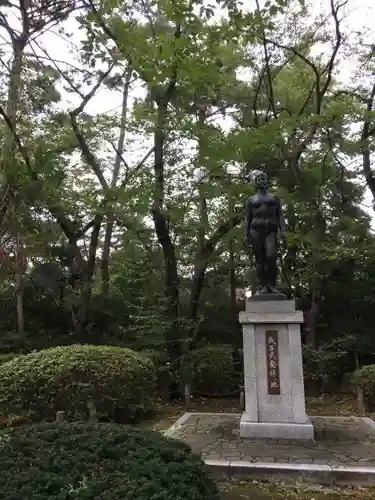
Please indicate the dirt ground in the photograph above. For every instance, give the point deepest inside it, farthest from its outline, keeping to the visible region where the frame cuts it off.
(263, 491)
(168, 413)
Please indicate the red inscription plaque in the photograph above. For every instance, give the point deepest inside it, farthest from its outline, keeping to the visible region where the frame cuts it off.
(272, 353)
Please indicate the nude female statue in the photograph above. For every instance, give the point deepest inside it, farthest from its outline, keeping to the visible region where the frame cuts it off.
(264, 218)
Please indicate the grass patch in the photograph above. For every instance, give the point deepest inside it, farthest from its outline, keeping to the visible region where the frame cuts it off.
(243, 490)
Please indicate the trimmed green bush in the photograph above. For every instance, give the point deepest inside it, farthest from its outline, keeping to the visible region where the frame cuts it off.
(84, 461)
(163, 371)
(364, 379)
(115, 383)
(4, 358)
(210, 370)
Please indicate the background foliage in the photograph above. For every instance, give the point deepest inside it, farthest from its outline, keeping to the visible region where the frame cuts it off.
(106, 235)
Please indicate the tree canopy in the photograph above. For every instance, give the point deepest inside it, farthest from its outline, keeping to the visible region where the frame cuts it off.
(129, 132)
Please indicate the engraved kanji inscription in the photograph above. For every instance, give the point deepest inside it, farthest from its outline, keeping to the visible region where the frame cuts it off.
(272, 353)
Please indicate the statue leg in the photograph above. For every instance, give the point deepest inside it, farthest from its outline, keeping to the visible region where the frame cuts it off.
(271, 259)
(257, 245)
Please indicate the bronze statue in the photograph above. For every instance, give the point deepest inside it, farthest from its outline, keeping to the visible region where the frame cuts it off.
(264, 218)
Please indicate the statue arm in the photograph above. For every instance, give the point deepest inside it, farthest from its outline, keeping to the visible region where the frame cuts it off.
(248, 219)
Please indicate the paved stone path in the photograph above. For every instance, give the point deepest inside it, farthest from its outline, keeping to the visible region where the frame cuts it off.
(348, 441)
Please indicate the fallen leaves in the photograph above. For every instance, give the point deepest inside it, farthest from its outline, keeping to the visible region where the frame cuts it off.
(254, 490)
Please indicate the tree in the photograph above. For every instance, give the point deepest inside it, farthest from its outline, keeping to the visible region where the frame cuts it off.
(33, 18)
(116, 188)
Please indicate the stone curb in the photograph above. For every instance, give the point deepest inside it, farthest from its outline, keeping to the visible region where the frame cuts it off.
(177, 425)
(290, 473)
(183, 419)
(369, 422)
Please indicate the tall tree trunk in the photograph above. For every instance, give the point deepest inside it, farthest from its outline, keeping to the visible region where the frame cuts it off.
(203, 257)
(312, 316)
(199, 264)
(20, 270)
(82, 324)
(161, 224)
(9, 205)
(14, 86)
(115, 176)
(237, 330)
(232, 266)
(232, 281)
(313, 313)
(203, 218)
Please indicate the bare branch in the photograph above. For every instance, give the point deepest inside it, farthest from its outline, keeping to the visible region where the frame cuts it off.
(76, 111)
(329, 67)
(55, 65)
(18, 141)
(270, 91)
(81, 233)
(123, 126)
(5, 24)
(131, 172)
(86, 151)
(309, 63)
(48, 58)
(119, 154)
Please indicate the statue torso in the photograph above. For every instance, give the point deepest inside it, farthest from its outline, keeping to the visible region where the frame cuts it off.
(264, 209)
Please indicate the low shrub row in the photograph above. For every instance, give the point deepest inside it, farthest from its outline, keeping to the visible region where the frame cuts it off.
(83, 461)
(4, 358)
(115, 383)
(364, 380)
(210, 370)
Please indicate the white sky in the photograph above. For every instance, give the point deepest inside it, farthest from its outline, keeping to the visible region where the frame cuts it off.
(358, 18)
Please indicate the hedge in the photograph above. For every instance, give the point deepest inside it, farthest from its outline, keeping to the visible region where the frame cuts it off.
(101, 461)
(114, 383)
(210, 370)
(4, 358)
(364, 379)
(164, 375)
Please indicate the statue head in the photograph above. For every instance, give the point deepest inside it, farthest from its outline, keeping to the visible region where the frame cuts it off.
(260, 179)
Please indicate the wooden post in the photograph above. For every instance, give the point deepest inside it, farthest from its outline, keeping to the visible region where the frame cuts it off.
(187, 395)
(92, 412)
(361, 404)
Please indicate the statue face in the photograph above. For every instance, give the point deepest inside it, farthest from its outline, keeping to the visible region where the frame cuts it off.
(261, 180)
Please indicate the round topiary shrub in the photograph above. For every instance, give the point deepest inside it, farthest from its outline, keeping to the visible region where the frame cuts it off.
(4, 358)
(164, 374)
(364, 379)
(210, 370)
(84, 461)
(111, 383)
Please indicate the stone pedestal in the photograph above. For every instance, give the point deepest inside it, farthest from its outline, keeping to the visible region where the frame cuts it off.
(274, 388)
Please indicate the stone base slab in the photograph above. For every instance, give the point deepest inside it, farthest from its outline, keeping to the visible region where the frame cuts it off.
(343, 452)
(276, 430)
